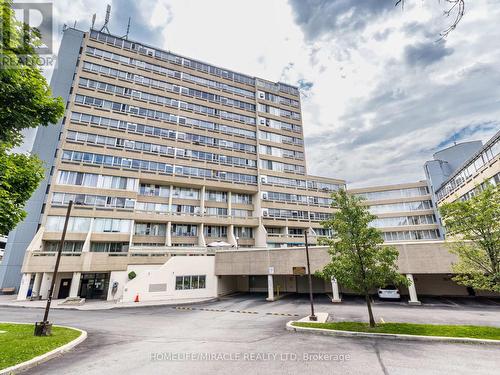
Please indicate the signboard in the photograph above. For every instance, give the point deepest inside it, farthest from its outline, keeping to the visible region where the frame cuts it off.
(270, 270)
(299, 271)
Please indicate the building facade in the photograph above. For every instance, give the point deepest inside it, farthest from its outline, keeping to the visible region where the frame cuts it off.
(405, 212)
(482, 167)
(162, 154)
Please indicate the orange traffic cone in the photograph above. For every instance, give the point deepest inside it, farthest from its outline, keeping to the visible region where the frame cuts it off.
(136, 298)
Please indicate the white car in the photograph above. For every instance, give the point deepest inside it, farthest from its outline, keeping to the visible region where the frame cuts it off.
(389, 292)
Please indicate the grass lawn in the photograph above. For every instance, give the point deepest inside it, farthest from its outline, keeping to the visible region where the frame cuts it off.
(17, 343)
(476, 332)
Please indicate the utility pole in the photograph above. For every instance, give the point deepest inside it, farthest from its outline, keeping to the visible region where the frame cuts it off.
(312, 316)
(44, 328)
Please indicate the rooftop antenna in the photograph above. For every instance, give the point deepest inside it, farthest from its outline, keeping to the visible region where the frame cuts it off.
(106, 20)
(128, 29)
(93, 21)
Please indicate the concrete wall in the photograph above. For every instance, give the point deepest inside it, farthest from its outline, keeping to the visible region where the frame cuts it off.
(165, 275)
(416, 257)
(45, 145)
(227, 285)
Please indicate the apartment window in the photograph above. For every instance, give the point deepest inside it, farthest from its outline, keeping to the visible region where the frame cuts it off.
(241, 198)
(150, 229)
(69, 246)
(184, 230)
(216, 196)
(215, 231)
(109, 247)
(75, 224)
(111, 225)
(240, 213)
(154, 190)
(243, 232)
(186, 193)
(190, 282)
(215, 211)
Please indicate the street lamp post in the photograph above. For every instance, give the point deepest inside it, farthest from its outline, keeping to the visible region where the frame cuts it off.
(312, 316)
(44, 328)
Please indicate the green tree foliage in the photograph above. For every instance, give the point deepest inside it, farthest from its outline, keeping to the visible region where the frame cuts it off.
(19, 177)
(25, 97)
(473, 227)
(25, 102)
(359, 261)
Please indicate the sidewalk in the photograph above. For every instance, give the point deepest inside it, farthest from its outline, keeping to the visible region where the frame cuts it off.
(92, 305)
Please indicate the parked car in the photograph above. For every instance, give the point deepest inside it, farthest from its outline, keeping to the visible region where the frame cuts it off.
(389, 292)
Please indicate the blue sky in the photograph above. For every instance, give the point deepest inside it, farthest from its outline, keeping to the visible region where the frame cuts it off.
(381, 93)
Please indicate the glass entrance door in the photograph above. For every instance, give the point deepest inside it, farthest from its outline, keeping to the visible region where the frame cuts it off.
(94, 285)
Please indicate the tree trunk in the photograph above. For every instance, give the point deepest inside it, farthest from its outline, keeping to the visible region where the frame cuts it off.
(370, 313)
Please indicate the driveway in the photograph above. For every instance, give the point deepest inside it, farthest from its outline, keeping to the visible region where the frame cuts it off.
(244, 334)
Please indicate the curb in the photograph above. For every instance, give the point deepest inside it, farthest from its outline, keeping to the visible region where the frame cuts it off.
(389, 336)
(47, 356)
(138, 304)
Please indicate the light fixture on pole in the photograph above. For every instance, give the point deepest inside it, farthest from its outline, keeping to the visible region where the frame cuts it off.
(312, 316)
(44, 328)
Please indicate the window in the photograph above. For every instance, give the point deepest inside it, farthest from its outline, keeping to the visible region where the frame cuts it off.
(75, 224)
(190, 282)
(112, 225)
(109, 247)
(150, 229)
(69, 246)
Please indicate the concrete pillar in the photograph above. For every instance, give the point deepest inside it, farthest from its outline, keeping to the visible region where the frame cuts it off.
(270, 288)
(24, 287)
(230, 235)
(201, 236)
(335, 291)
(168, 240)
(260, 234)
(202, 201)
(131, 237)
(412, 290)
(170, 197)
(86, 244)
(36, 284)
(75, 285)
(44, 288)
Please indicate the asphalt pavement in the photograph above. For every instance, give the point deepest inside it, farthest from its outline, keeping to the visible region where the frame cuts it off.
(244, 334)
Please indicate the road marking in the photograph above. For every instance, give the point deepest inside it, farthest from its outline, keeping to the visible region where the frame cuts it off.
(232, 311)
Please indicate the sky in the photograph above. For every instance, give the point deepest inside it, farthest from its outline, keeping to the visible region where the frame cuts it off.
(381, 92)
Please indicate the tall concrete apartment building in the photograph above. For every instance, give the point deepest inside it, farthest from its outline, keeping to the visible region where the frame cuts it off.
(161, 152)
(405, 212)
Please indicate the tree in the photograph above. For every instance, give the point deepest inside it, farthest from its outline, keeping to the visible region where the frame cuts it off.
(474, 228)
(456, 9)
(25, 102)
(359, 261)
(19, 177)
(25, 97)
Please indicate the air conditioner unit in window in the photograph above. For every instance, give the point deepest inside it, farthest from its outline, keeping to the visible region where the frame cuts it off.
(262, 121)
(268, 122)
(262, 95)
(263, 179)
(264, 195)
(264, 213)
